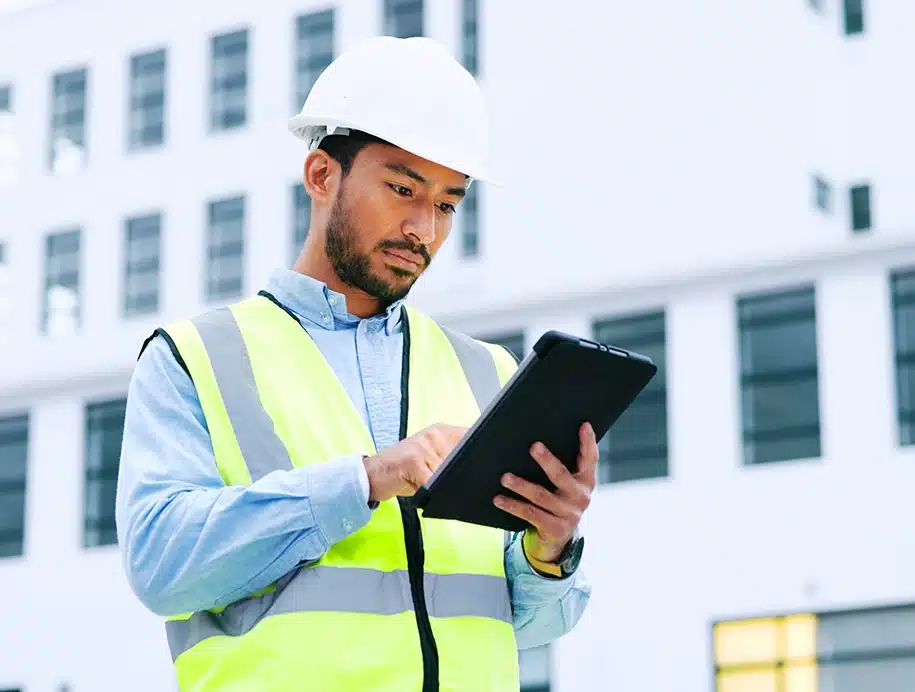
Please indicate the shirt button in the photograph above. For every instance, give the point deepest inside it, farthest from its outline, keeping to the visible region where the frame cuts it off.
(347, 525)
(332, 300)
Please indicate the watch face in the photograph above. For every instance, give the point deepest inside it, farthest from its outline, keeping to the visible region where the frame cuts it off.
(570, 561)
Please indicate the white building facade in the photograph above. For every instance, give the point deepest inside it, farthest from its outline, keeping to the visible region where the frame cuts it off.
(724, 187)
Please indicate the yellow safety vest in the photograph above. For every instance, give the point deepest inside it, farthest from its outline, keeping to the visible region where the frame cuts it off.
(403, 604)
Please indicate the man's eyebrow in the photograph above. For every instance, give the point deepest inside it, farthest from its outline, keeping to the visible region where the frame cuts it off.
(418, 177)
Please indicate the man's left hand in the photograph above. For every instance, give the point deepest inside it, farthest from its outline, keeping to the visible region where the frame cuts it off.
(554, 515)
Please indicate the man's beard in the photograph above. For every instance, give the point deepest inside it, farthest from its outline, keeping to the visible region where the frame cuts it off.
(354, 268)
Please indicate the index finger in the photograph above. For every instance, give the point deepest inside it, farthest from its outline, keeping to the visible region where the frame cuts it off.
(588, 453)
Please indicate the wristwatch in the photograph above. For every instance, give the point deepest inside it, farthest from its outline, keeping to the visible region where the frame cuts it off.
(565, 564)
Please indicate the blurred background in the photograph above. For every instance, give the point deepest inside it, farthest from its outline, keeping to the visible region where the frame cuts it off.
(726, 187)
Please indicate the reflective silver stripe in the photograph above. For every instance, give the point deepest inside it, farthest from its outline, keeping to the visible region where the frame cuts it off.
(262, 450)
(479, 366)
(352, 590)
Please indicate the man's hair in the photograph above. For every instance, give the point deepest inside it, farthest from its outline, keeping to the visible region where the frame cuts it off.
(344, 148)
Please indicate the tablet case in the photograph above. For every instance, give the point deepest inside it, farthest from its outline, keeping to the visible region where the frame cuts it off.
(564, 382)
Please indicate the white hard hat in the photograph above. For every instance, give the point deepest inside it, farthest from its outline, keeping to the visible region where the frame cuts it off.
(407, 91)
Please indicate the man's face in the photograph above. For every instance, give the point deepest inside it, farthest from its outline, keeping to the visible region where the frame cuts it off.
(392, 214)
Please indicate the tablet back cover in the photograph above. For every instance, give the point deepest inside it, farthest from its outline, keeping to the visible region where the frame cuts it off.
(574, 381)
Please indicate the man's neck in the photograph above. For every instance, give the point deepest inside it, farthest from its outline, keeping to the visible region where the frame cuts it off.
(358, 302)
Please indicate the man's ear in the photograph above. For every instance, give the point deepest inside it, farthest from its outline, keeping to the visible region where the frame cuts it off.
(321, 176)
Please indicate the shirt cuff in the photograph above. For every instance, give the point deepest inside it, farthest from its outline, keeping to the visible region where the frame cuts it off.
(538, 588)
(339, 497)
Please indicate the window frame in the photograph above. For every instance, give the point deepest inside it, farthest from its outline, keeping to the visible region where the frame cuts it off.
(393, 9)
(96, 412)
(129, 307)
(213, 251)
(657, 394)
(312, 21)
(749, 436)
(216, 115)
(60, 236)
(61, 82)
(136, 105)
(19, 484)
(902, 358)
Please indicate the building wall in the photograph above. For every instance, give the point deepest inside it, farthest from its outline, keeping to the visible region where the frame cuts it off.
(654, 155)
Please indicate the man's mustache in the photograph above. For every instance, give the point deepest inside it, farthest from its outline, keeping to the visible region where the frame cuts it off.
(405, 244)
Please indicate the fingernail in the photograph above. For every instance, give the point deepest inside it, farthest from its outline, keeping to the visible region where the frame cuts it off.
(507, 479)
(498, 501)
(536, 448)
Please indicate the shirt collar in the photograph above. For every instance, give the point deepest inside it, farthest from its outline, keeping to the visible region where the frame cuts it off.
(313, 301)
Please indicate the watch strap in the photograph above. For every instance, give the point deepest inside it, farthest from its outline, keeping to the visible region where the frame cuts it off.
(548, 568)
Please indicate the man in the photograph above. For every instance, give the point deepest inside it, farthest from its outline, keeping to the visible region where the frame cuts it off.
(270, 447)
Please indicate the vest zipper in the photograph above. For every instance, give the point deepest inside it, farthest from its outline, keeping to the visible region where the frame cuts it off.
(413, 538)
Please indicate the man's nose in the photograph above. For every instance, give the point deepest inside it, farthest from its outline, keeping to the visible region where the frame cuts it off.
(420, 225)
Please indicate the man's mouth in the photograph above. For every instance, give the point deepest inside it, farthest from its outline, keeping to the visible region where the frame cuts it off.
(404, 258)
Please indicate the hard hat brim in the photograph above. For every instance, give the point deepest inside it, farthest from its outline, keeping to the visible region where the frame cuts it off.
(301, 126)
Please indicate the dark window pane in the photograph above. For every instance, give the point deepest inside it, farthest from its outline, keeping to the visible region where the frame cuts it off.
(146, 127)
(14, 442)
(902, 286)
(514, 342)
(67, 150)
(779, 376)
(225, 248)
(62, 313)
(314, 51)
(854, 17)
(229, 80)
(104, 434)
(861, 208)
(821, 194)
(301, 218)
(636, 446)
(469, 212)
(470, 36)
(141, 270)
(403, 18)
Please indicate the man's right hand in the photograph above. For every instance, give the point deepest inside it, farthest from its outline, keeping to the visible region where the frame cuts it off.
(403, 468)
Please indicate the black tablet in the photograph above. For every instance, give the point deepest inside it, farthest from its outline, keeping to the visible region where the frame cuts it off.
(564, 382)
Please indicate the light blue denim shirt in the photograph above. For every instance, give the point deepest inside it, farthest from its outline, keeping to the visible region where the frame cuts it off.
(189, 543)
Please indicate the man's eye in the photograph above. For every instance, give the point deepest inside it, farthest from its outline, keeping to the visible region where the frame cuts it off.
(447, 208)
(401, 190)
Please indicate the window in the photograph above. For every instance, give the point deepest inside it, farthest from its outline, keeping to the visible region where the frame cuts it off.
(147, 100)
(229, 80)
(903, 299)
(636, 447)
(469, 218)
(104, 433)
(61, 313)
(534, 667)
(68, 121)
(470, 37)
(860, 208)
(225, 248)
(14, 454)
(514, 342)
(778, 376)
(854, 17)
(141, 268)
(851, 650)
(821, 194)
(301, 218)
(6, 298)
(9, 145)
(403, 18)
(314, 51)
